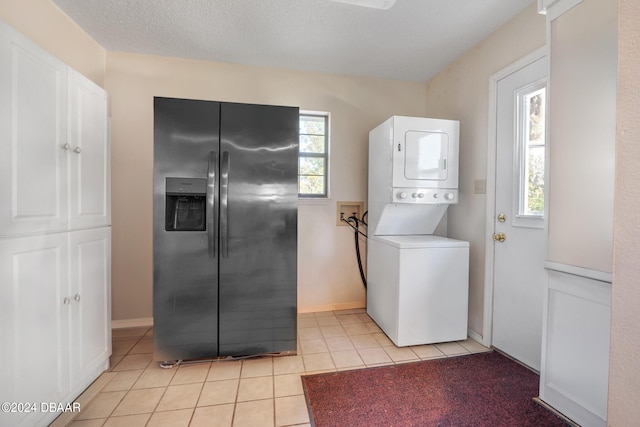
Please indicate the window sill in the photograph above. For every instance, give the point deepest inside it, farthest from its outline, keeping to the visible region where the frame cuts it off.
(303, 201)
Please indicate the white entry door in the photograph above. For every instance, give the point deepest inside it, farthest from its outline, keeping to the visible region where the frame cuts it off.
(519, 226)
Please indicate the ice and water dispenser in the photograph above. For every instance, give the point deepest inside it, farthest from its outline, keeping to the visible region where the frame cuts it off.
(185, 204)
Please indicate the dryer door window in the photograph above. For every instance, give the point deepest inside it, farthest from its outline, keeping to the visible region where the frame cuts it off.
(426, 155)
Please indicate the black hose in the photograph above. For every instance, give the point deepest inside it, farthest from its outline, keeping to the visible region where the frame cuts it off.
(356, 234)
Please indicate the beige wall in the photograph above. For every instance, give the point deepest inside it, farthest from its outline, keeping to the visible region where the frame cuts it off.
(624, 376)
(327, 269)
(44, 23)
(461, 92)
(582, 98)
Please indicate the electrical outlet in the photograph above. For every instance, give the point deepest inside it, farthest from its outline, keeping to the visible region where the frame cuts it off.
(346, 209)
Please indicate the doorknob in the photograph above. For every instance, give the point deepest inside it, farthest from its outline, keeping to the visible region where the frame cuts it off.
(502, 217)
(499, 237)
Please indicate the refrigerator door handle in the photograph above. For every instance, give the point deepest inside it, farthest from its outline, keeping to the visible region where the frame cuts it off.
(224, 204)
(211, 203)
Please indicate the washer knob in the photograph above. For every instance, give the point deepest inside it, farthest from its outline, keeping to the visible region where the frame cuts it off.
(402, 195)
(435, 195)
(449, 196)
(414, 195)
(420, 195)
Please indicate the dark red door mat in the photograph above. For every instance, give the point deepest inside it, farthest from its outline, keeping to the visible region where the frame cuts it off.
(486, 389)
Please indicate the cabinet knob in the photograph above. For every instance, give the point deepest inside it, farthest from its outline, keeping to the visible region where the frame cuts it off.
(66, 301)
(66, 147)
(76, 297)
(77, 150)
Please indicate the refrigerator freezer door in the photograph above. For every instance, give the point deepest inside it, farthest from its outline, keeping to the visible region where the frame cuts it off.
(185, 269)
(258, 221)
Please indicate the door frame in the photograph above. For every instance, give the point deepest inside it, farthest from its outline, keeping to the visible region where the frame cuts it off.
(489, 258)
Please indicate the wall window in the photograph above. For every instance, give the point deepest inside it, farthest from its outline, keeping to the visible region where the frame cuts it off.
(313, 161)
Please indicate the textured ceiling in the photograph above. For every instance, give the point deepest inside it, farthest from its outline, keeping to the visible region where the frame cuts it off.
(413, 40)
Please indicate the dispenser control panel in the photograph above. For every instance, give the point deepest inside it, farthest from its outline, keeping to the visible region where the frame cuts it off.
(425, 195)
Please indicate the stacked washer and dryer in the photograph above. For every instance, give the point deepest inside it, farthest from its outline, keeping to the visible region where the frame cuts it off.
(417, 282)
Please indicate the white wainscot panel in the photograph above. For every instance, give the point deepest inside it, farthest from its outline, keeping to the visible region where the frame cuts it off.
(575, 354)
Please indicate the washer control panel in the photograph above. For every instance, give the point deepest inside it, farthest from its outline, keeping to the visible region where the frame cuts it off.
(425, 195)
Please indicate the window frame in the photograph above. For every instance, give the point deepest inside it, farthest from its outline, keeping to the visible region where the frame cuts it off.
(520, 219)
(324, 156)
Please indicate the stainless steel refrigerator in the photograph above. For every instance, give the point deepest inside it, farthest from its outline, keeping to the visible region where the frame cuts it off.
(225, 229)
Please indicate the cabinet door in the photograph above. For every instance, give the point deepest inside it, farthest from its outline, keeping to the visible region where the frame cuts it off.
(88, 154)
(33, 164)
(34, 323)
(90, 284)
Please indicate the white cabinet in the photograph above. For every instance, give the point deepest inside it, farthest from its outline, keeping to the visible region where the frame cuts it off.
(55, 317)
(54, 139)
(34, 319)
(55, 251)
(89, 294)
(88, 154)
(33, 125)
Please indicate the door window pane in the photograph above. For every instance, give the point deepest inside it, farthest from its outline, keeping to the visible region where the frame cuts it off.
(532, 146)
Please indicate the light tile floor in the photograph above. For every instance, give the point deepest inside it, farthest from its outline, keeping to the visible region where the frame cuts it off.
(263, 391)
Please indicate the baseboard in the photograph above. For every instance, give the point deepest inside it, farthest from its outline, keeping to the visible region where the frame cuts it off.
(132, 323)
(331, 307)
(84, 399)
(553, 410)
(148, 321)
(475, 336)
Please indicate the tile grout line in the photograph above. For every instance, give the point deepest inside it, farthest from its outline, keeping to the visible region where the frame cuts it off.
(339, 319)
